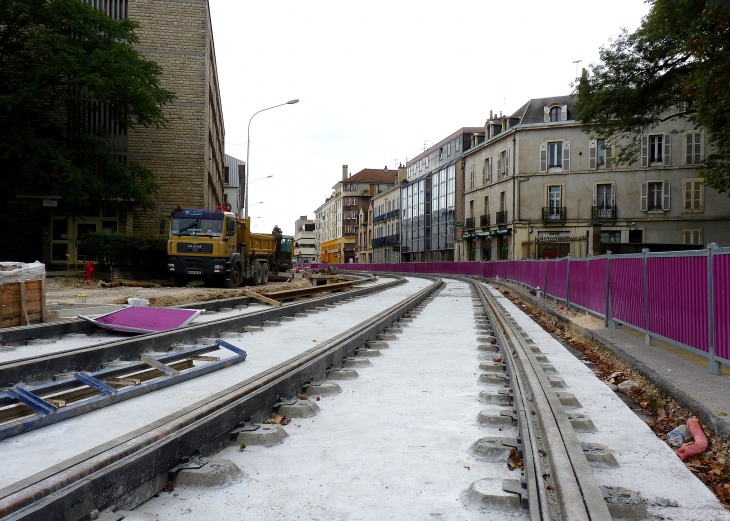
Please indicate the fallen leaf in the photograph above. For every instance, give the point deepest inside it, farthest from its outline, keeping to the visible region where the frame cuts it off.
(303, 397)
(661, 414)
(467, 467)
(285, 421)
(317, 398)
(243, 446)
(721, 413)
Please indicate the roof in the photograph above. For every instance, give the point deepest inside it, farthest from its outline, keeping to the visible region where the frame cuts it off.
(372, 175)
(535, 113)
(461, 131)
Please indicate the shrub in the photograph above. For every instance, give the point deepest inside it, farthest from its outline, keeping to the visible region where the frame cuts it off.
(119, 250)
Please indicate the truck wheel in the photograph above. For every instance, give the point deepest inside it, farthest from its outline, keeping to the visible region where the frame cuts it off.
(179, 281)
(233, 279)
(265, 273)
(253, 281)
(259, 273)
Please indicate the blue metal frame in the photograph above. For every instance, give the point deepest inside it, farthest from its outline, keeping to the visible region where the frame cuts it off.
(48, 414)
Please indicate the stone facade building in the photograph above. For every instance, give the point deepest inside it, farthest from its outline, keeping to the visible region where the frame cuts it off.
(541, 187)
(304, 240)
(187, 156)
(386, 225)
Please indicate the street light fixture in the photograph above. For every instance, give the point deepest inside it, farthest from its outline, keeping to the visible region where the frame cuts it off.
(262, 178)
(248, 146)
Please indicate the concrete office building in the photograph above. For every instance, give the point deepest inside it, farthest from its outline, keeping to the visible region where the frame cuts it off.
(541, 187)
(304, 240)
(186, 156)
(386, 224)
(234, 183)
(432, 199)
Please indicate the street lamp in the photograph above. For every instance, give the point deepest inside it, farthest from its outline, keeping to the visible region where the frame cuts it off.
(248, 146)
(262, 178)
(254, 204)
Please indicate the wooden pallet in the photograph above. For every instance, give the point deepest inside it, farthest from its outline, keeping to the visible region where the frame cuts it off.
(22, 303)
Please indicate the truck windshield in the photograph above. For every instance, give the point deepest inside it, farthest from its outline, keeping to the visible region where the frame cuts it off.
(197, 226)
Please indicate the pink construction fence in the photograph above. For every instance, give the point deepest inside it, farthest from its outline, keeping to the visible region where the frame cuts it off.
(679, 297)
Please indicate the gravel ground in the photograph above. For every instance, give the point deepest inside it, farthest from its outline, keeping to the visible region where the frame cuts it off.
(63, 290)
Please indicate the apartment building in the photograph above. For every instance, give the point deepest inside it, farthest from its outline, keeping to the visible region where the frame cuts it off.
(364, 236)
(386, 225)
(432, 199)
(337, 218)
(539, 186)
(234, 183)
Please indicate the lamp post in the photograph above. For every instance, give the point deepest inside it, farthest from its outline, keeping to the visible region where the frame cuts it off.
(248, 146)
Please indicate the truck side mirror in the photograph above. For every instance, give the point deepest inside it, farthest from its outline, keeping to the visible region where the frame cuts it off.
(162, 226)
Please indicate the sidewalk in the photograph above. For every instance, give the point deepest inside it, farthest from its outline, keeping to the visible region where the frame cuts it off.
(680, 374)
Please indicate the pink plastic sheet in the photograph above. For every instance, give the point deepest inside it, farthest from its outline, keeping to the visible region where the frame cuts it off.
(144, 319)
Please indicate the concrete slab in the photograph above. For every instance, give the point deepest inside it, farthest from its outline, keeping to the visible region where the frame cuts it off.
(215, 473)
(491, 449)
(493, 378)
(493, 418)
(357, 362)
(342, 374)
(323, 389)
(497, 397)
(265, 435)
(369, 353)
(488, 493)
(599, 456)
(299, 409)
(624, 503)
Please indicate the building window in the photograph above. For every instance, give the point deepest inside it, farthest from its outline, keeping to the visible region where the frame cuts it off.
(693, 237)
(611, 236)
(472, 181)
(556, 114)
(693, 195)
(655, 196)
(604, 196)
(226, 175)
(636, 236)
(486, 205)
(555, 200)
(656, 144)
(555, 155)
(693, 155)
(441, 153)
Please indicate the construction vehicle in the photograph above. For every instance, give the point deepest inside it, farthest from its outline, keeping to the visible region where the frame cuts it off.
(285, 253)
(219, 248)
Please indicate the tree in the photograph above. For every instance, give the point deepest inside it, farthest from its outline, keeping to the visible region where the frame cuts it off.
(71, 80)
(675, 65)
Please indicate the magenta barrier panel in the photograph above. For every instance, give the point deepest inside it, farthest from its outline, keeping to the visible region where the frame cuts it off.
(677, 299)
(596, 284)
(489, 270)
(579, 283)
(627, 290)
(561, 278)
(721, 294)
(541, 273)
(551, 287)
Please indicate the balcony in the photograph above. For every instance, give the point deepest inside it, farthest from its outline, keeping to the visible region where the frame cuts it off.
(484, 221)
(604, 213)
(469, 225)
(390, 239)
(501, 217)
(553, 214)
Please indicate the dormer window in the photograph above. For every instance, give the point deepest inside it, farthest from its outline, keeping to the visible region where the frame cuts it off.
(556, 114)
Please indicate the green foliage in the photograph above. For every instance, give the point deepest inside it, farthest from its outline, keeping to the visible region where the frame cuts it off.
(141, 251)
(676, 65)
(63, 64)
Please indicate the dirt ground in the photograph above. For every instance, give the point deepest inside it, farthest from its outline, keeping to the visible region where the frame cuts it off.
(63, 290)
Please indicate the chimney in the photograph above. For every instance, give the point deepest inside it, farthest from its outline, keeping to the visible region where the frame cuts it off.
(402, 174)
(385, 169)
(344, 172)
(491, 116)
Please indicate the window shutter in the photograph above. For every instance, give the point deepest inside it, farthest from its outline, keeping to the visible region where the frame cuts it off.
(644, 202)
(687, 236)
(543, 157)
(490, 169)
(666, 192)
(546, 117)
(566, 156)
(595, 195)
(689, 153)
(613, 195)
(688, 191)
(698, 148)
(564, 113)
(609, 154)
(592, 149)
(499, 167)
(699, 195)
(506, 163)
(667, 149)
(644, 151)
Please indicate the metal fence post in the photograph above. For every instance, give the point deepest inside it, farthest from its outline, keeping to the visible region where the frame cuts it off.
(647, 334)
(610, 322)
(713, 364)
(567, 287)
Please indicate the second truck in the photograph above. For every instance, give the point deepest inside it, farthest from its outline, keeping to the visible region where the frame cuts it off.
(219, 248)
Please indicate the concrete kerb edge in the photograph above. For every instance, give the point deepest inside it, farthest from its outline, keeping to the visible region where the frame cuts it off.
(704, 414)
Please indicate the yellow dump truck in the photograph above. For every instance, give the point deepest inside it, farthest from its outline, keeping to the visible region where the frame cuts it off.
(219, 248)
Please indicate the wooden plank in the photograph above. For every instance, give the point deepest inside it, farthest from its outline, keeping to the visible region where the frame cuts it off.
(267, 300)
(44, 311)
(24, 310)
(16, 309)
(35, 284)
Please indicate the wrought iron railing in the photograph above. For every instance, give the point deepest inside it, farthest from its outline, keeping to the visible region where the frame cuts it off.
(553, 214)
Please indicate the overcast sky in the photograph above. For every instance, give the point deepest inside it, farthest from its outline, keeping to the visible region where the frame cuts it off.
(378, 79)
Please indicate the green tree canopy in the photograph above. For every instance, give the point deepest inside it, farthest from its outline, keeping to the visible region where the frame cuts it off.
(675, 65)
(70, 80)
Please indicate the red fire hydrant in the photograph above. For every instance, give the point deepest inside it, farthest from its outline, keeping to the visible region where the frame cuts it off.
(89, 271)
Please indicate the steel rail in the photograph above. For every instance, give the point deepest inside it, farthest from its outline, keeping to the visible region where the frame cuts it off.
(91, 358)
(99, 477)
(575, 495)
